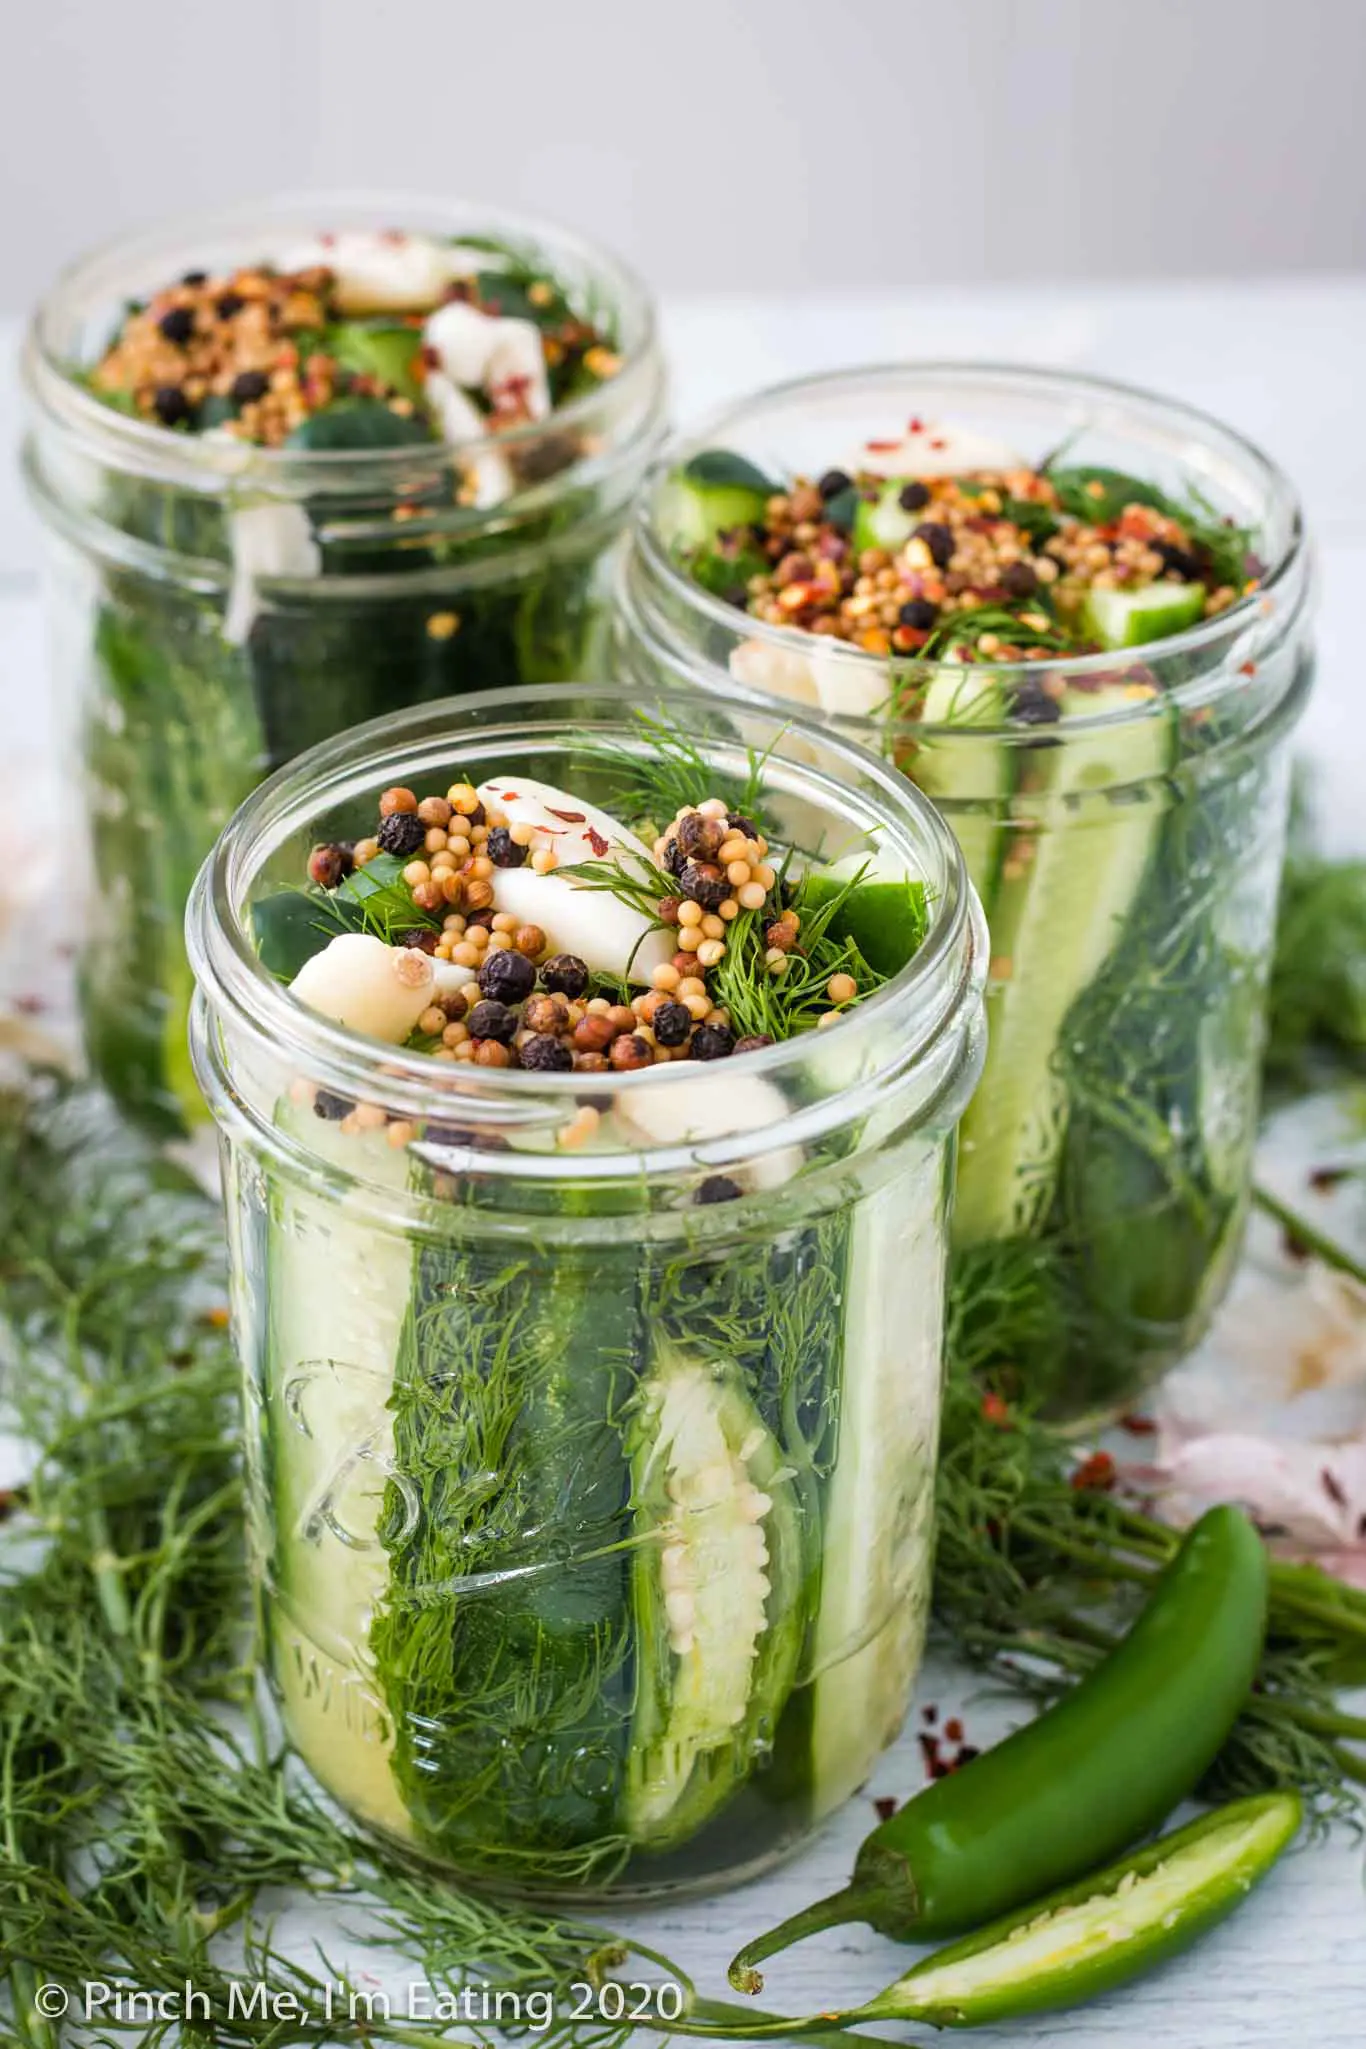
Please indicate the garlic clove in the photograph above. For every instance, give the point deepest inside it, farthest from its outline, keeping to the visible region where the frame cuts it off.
(367, 986)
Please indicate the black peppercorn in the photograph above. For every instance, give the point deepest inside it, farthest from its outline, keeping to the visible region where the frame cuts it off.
(564, 974)
(752, 1042)
(675, 860)
(229, 306)
(919, 613)
(938, 540)
(177, 325)
(543, 1053)
(671, 1023)
(195, 277)
(332, 1108)
(736, 595)
(507, 975)
(1019, 580)
(1032, 706)
(738, 822)
(503, 850)
(248, 386)
(492, 1020)
(704, 883)
(1179, 559)
(420, 938)
(712, 1042)
(401, 833)
(171, 406)
(717, 1188)
(832, 483)
(913, 497)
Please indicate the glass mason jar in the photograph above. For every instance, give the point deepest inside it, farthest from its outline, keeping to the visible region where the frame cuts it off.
(506, 1399)
(189, 666)
(1127, 859)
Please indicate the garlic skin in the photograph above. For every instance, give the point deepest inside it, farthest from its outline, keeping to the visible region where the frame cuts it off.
(367, 986)
(610, 936)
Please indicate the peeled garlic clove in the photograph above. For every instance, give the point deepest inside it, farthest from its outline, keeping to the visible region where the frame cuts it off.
(612, 937)
(367, 986)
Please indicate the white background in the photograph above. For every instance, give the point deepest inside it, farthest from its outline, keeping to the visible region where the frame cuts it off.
(722, 145)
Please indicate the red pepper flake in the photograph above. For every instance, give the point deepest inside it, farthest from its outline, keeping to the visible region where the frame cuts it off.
(1096, 1472)
(953, 1729)
(1332, 1487)
(569, 817)
(938, 442)
(596, 841)
(1138, 1426)
(881, 447)
(995, 1409)
(935, 1765)
(30, 1006)
(929, 1714)
(1247, 668)
(884, 1807)
(429, 356)
(1323, 1180)
(915, 425)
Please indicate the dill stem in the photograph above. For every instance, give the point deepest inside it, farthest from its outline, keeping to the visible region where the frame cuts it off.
(1302, 1233)
(1105, 1564)
(1325, 1724)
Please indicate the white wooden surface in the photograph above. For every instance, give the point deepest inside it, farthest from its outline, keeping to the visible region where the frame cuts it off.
(1282, 361)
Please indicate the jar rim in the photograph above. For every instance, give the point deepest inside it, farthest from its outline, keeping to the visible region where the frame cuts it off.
(145, 449)
(904, 1022)
(648, 542)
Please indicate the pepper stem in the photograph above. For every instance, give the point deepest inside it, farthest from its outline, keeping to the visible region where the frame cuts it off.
(849, 1904)
(717, 2020)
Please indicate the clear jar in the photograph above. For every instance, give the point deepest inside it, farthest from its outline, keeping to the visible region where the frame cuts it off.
(494, 1384)
(1128, 863)
(188, 670)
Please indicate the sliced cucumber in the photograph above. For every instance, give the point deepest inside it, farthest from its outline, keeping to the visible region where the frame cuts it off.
(385, 349)
(879, 1496)
(884, 915)
(338, 1291)
(968, 777)
(883, 522)
(716, 1589)
(1136, 618)
(1053, 926)
(717, 490)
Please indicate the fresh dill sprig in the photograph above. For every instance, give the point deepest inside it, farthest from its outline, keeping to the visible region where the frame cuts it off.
(673, 775)
(143, 1832)
(1316, 1017)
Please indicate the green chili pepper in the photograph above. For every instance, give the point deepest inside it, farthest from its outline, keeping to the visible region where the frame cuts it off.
(1084, 1941)
(1073, 1788)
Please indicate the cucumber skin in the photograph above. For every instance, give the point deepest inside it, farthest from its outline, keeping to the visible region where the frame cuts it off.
(1074, 893)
